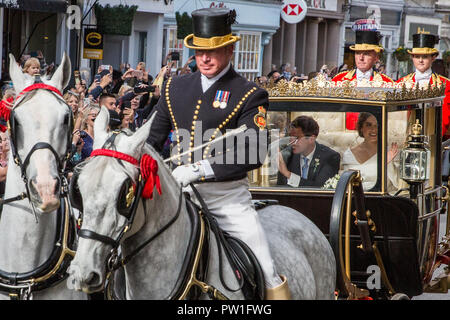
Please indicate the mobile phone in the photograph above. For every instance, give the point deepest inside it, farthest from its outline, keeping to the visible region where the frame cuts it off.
(87, 101)
(97, 77)
(105, 67)
(132, 82)
(175, 56)
(76, 75)
(137, 73)
(144, 89)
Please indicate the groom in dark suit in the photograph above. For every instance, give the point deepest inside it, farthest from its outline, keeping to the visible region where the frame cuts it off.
(306, 163)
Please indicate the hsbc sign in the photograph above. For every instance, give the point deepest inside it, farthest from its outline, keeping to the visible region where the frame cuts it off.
(293, 11)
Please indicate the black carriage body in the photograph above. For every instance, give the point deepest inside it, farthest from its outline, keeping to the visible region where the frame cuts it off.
(407, 230)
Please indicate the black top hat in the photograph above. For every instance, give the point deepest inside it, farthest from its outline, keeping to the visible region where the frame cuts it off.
(367, 40)
(212, 29)
(424, 43)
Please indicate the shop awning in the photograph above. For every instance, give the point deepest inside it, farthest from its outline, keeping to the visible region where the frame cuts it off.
(36, 5)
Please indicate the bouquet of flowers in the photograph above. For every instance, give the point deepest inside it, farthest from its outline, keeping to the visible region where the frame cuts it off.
(332, 182)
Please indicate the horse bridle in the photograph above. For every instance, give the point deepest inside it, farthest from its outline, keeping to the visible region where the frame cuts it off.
(12, 125)
(113, 261)
(53, 270)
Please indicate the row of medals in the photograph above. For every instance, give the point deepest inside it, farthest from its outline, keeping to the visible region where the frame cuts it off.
(218, 104)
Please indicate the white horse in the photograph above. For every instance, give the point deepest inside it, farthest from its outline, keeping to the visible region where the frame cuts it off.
(32, 264)
(300, 250)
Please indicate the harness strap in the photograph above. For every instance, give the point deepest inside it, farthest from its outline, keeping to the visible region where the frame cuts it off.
(88, 234)
(144, 244)
(36, 86)
(221, 240)
(115, 154)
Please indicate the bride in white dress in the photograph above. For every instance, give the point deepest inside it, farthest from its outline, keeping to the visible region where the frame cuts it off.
(363, 157)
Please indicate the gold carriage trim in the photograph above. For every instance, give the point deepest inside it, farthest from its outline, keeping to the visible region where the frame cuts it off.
(375, 90)
(228, 118)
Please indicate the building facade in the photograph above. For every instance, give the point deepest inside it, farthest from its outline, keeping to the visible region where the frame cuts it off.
(311, 43)
(419, 17)
(388, 16)
(145, 42)
(256, 22)
(31, 26)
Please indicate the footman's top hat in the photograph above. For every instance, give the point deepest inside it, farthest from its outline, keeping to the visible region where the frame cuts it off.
(212, 29)
(367, 40)
(423, 43)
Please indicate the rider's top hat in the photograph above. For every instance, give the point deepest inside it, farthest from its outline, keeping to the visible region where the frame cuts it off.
(212, 29)
(423, 43)
(367, 40)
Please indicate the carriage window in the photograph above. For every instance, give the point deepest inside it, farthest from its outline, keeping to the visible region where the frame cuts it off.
(310, 150)
(399, 124)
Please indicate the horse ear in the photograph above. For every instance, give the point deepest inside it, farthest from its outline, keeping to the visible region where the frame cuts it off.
(141, 134)
(100, 127)
(61, 77)
(16, 74)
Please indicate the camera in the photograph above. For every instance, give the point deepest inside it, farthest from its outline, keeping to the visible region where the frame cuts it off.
(145, 89)
(175, 56)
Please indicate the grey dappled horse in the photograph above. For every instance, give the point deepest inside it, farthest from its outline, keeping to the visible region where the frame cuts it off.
(300, 250)
(41, 123)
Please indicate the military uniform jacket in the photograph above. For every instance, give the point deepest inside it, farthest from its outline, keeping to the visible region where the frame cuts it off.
(183, 105)
(436, 79)
(351, 76)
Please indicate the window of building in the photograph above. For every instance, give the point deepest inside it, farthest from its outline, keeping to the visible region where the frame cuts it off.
(171, 44)
(247, 55)
(142, 46)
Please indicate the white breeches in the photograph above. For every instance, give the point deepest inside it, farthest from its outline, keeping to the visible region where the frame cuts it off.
(231, 205)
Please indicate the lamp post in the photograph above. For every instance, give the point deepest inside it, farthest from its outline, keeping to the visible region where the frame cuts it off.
(414, 160)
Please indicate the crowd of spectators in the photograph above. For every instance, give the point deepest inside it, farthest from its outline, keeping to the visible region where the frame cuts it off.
(289, 73)
(128, 93)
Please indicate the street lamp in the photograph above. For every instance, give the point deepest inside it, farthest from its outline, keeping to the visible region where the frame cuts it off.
(414, 160)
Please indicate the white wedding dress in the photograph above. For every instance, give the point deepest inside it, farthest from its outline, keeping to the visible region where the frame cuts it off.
(368, 170)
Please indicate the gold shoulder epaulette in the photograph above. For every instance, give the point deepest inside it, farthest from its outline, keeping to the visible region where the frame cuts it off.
(407, 77)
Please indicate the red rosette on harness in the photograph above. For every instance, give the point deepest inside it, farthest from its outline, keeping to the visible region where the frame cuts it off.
(149, 172)
(5, 111)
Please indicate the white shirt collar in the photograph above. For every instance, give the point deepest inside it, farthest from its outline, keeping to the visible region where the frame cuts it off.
(363, 75)
(208, 82)
(309, 156)
(423, 75)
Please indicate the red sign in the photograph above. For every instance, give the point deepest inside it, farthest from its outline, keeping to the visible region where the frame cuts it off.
(293, 11)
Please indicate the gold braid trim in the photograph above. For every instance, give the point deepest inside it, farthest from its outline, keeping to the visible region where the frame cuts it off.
(350, 74)
(169, 106)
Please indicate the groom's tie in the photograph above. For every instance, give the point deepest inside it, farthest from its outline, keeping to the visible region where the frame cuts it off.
(305, 168)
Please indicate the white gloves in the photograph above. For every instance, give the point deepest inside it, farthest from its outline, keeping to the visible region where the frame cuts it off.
(188, 173)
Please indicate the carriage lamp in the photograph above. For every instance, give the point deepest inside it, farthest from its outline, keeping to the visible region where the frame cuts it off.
(414, 160)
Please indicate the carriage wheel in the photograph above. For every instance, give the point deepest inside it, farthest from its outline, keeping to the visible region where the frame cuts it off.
(349, 189)
(400, 296)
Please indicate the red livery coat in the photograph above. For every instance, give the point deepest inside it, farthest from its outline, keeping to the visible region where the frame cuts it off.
(436, 78)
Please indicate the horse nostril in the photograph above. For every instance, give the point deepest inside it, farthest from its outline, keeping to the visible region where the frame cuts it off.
(32, 185)
(93, 280)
